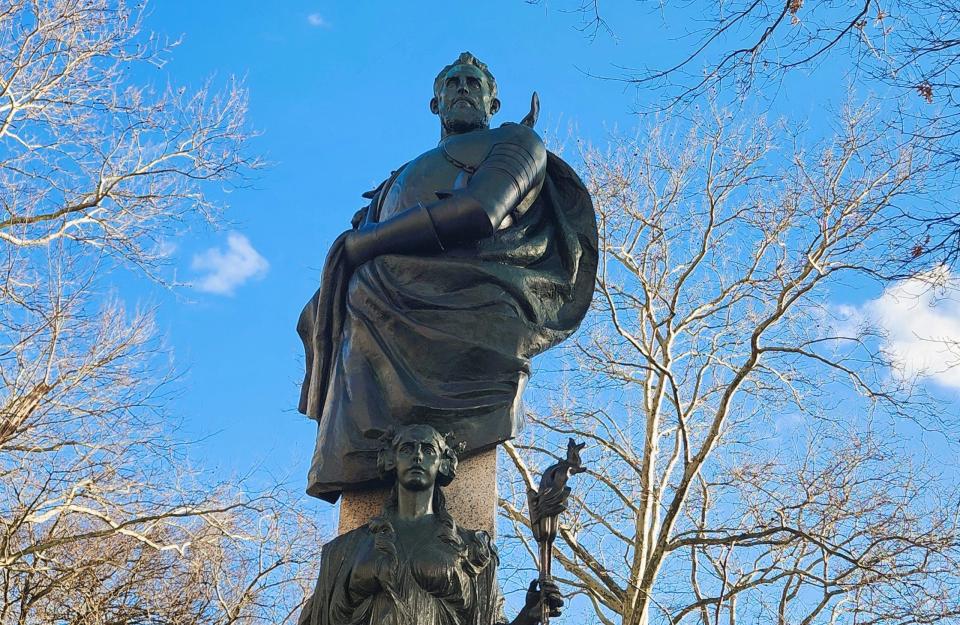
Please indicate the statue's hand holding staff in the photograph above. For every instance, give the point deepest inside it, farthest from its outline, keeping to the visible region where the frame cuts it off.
(538, 593)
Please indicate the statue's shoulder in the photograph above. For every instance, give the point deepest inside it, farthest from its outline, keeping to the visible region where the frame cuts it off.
(375, 196)
(524, 137)
(469, 149)
(511, 132)
(372, 193)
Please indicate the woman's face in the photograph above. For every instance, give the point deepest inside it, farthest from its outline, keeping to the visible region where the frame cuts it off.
(418, 459)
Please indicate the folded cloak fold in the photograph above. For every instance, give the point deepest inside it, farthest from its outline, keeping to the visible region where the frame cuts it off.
(444, 340)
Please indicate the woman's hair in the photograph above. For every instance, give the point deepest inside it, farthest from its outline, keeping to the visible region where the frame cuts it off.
(390, 443)
(386, 462)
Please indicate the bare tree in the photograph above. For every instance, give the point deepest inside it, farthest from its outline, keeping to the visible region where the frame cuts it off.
(92, 158)
(746, 44)
(744, 454)
(102, 519)
(906, 50)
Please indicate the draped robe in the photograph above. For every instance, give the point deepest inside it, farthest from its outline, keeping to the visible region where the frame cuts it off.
(432, 581)
(444, 340)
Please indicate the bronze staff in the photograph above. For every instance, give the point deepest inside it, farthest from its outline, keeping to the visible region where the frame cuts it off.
(545, 505)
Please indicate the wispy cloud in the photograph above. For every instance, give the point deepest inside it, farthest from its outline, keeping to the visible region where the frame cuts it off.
(165, 248)
(226, 269)
(315, 19)
(919, 325)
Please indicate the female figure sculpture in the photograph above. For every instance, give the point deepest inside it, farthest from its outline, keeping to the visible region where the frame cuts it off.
(413, 565)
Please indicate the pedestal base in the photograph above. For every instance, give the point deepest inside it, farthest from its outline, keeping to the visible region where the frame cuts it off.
(471, 498)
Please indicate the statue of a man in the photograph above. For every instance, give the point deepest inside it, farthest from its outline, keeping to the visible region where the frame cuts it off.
(469, 260)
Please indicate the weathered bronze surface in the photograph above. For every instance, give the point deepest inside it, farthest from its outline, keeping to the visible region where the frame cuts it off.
(413, 564)
(470, 259)
(546, 504)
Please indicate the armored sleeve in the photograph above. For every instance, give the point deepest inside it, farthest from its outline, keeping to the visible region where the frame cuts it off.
(512, 168)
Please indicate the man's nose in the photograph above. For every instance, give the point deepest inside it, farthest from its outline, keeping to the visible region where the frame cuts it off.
(462, 86)
(418, 454)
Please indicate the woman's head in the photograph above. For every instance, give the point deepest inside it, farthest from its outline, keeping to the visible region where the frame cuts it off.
(419, 457)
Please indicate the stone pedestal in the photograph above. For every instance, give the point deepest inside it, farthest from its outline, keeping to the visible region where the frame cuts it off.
(471, 498)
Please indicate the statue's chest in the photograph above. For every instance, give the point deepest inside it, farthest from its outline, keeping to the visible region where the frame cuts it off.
(443, 168)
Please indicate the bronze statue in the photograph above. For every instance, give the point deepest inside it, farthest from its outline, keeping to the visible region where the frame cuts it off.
(469, 260)
(546, 504)
(413, 565)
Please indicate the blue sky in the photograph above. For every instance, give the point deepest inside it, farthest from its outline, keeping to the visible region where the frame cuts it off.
(339, 93)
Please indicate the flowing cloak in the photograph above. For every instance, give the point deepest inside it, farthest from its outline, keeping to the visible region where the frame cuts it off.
(444, 340)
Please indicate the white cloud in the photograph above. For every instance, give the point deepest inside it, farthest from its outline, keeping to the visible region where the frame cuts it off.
(315, 19)
(920, 325)
(230, 268)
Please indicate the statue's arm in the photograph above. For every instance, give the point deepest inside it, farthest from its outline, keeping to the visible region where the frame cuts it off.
(514, 167)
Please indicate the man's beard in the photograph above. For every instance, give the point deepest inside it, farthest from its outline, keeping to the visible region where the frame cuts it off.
(465, 120)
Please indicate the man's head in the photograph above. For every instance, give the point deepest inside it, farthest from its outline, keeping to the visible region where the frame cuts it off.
(419, 456)
(464, 95)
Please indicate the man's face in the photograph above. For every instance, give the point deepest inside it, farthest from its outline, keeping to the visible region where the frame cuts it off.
(465, 100)
(418, 460)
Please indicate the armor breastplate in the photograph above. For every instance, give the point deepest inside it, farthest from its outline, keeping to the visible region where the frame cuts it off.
(446, 167)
